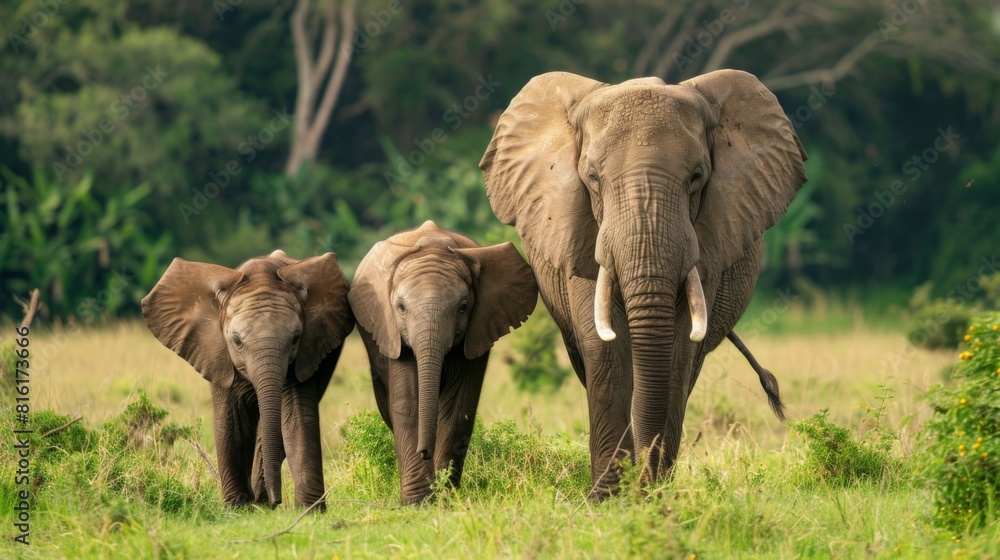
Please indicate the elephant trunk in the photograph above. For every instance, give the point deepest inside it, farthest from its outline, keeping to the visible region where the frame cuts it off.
(651, 255)
(429, 352)
(268, 382)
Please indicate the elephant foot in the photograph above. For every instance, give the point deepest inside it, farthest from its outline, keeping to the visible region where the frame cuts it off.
(602, 492)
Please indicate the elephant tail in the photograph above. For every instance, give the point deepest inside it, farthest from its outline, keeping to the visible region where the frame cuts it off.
(767, 379)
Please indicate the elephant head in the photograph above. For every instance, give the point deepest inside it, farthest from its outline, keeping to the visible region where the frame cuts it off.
(646, 188)
(429, 291)
(266, 321)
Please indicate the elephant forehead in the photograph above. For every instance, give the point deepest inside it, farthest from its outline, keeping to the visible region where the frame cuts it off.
(434, 267)
(661, 107)
(259, 295)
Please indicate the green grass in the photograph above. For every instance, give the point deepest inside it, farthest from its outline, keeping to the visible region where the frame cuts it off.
(128, 481)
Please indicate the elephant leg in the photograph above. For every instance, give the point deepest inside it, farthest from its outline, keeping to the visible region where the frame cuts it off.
(300, 431)
(608, 369)
(235, 417)
(416, 474)
(462, 384)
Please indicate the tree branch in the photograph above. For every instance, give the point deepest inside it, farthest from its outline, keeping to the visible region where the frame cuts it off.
(336, 80)
(828, 76)
(659, 32)
(683, 33)
(749, 33)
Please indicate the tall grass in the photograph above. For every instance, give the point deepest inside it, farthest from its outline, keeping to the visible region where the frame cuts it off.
(129, 479)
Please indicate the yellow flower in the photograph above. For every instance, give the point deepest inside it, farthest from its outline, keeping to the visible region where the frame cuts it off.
(962, 454)
(965, 355)
(979, 440)
(996, 327)
(961, 447)
(859, 406)
(963, 401)
(972, 328)
(985, 454)
(967, 337)
(976, 445)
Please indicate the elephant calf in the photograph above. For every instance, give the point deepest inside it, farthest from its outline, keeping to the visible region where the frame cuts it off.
(430, 304)
(267, 337)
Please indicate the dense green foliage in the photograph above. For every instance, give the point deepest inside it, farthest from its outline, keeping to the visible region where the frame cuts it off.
(177, 118)
(964, 433)
(836, 457)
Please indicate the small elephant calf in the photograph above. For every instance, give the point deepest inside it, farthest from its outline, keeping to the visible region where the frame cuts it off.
(267, 337)
(430, 304)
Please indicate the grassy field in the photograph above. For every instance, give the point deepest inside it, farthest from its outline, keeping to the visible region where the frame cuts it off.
(743, 487)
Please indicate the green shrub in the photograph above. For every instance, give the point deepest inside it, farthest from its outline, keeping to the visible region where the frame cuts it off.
(838, 458)
(533, 363)
(371, 450)
(964, 453)
(128, 462)
(935, 322)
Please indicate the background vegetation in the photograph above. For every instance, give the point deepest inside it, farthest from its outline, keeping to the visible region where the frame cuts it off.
(133, 131)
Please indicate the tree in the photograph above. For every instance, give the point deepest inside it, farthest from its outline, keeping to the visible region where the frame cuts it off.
(317, 70)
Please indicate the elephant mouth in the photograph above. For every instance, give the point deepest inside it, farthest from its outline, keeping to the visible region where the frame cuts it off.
(603, 305)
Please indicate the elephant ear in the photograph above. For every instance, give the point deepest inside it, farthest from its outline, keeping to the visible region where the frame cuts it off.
(506, 294)
(530, 169)
(326, 315)
(184, 312)
(370, 297)
(757, 166)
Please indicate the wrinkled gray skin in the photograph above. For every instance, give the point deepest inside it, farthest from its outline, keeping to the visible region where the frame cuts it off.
(430, 304)
(636, 204)
(267, 337)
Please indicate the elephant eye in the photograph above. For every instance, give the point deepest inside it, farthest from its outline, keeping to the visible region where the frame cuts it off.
(237, 341)
(295, 339)
(592, 177)
(463, 307)
(696, 176)
(400, 307)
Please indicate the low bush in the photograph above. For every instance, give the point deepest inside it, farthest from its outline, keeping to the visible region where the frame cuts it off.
(963, 455)
(837, 457)
(533, 361)
(114, 470)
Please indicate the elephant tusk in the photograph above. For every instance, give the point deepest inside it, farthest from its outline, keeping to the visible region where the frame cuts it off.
(602, 306)
(696, 303)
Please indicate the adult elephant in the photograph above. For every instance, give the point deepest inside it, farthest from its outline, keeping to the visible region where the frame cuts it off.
(641, 207)
(267, 336)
